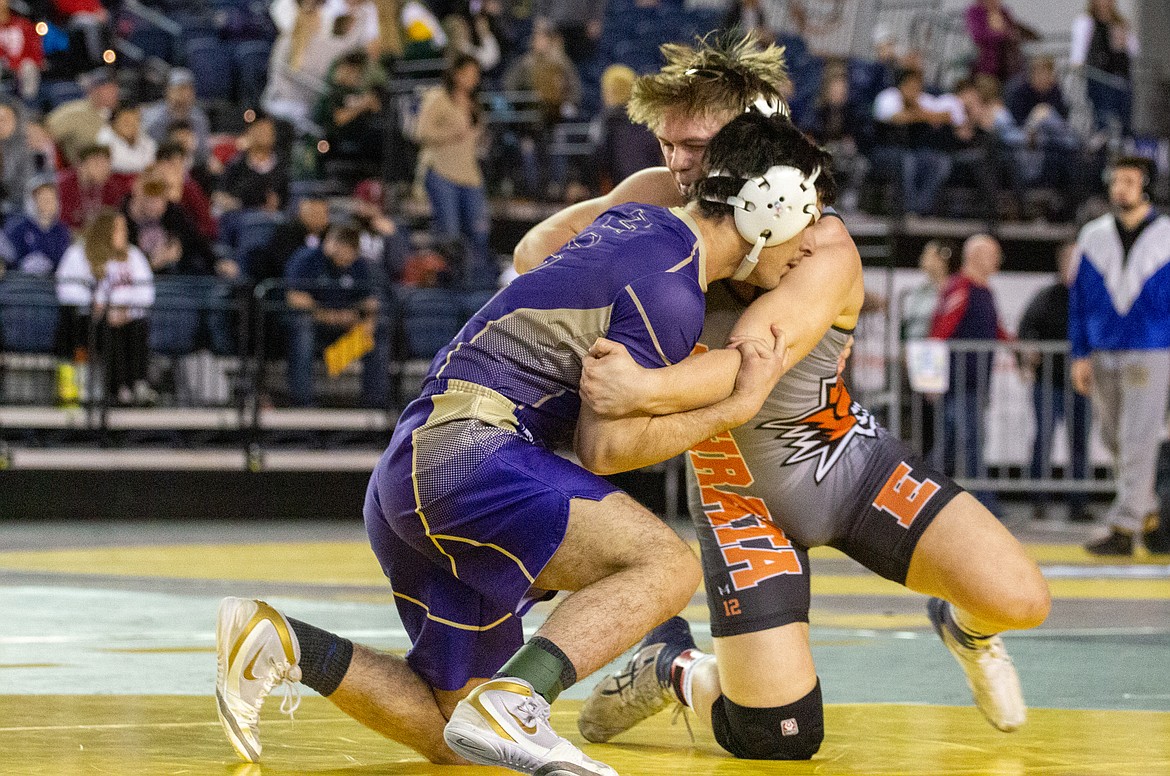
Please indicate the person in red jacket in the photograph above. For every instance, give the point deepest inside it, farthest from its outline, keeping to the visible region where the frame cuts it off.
(90, 186)
(966, 311)
(20, 51)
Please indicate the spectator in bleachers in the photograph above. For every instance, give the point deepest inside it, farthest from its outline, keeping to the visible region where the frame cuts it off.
(91, 21)
(1104, 44)
(997, 36)
(173, 168)
(450, 128)
(839, 123)
(919, 303)
(330, 290)
(302, 56)
(1037, 96)
(131, 149)
(179, 104)
(391, 45)
(165, 235)
(16, 160)
(549, 72)
(579, 23)
(363, 16)
(109, 276)
(204, 167)
(384, 245)
(474, 37)
(304, 231)
(256, 178)
(967, 311)
(38, 237)
(20, 52)
(75, 125)
(912, 135)
(350, 112)
(90, 186)
(622, 147)
(41, 148)
(1046, 319)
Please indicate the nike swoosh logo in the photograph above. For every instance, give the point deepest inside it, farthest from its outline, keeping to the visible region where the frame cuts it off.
(530, 730)
(248, 668)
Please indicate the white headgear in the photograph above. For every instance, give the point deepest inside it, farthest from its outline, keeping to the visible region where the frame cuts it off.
(771, 209)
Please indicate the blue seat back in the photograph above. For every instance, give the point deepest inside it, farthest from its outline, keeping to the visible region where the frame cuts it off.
(431, 317)
(28, 314)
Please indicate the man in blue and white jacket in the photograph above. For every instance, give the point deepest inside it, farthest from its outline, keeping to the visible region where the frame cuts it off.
(1119, 333)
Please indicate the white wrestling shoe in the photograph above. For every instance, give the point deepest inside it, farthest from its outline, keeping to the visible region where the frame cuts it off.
(505, 722)
(991, 675)
(256, 651)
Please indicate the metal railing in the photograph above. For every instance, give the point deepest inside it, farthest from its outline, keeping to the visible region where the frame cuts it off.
(1006, 420)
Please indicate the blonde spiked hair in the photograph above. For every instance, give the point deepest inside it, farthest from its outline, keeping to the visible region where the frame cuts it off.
(719, 74)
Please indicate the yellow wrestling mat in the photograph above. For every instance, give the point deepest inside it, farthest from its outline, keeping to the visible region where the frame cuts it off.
(56, 735)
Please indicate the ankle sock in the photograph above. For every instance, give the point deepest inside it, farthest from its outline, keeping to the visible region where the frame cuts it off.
(675, 635)
(325, 656)
(682, 674)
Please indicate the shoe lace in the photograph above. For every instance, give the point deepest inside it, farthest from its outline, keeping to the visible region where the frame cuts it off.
(532, 712)
(681, 711)
(292, 692)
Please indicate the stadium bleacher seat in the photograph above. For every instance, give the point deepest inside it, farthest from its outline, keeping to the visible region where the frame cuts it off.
(177, 311)
(430, 318)
(28, 314)
(209, 59)
(55, 93)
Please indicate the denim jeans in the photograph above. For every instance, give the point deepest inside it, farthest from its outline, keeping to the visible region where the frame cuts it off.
(306, 339)
(964, 434)
(1110, 106)
(1046, 419)
(462, 211)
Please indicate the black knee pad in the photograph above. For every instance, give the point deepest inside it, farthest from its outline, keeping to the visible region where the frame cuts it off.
(792, 732)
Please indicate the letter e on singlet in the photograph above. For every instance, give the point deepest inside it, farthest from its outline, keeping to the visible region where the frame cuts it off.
(903, 496)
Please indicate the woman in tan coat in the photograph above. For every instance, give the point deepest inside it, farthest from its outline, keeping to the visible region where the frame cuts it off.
(450, 127)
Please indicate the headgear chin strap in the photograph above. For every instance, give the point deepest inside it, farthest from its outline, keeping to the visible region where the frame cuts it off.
(771, 209)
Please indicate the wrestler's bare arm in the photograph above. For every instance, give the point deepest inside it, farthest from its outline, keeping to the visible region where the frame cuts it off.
(653, 186)
(823, 290)
(607, 445)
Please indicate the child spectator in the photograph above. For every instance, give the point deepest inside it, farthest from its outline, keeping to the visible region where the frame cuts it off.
(111, 278)
(164, 234)
(38, 237)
